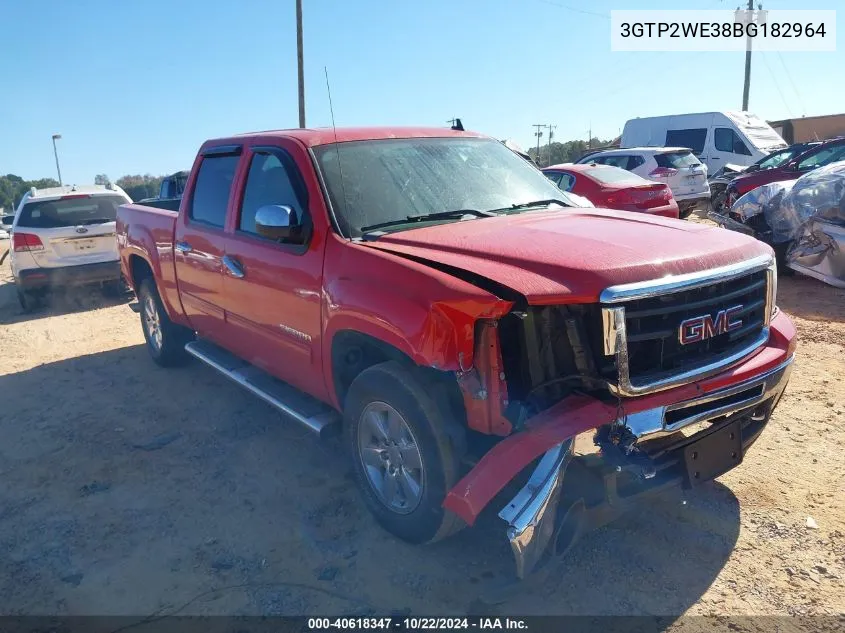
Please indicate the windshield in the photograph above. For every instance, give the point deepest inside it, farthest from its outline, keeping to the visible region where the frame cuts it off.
(778, 158)
(70, 211)
(391, 180)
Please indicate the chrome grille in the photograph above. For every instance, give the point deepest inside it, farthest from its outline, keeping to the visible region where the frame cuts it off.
(643, 324)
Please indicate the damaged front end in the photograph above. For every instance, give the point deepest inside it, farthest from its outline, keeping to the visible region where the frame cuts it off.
(656, 414)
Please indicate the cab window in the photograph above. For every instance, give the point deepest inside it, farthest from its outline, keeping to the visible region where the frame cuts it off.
(727, 140)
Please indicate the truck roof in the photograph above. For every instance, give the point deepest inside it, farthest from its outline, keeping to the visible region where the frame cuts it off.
(312, 137)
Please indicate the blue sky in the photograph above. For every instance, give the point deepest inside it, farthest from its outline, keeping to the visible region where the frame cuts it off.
(134, 86)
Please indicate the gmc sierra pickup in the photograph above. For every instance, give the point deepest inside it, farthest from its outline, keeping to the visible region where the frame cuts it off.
(433, 297)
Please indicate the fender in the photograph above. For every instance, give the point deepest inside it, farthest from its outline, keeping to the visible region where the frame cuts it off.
(427, 314)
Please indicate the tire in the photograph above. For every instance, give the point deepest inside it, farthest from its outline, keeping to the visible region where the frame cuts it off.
(28, 300)
(375, 396)
(165, 340)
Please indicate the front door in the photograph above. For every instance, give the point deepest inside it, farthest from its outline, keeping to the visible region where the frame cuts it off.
(273, 288)
(200, 243)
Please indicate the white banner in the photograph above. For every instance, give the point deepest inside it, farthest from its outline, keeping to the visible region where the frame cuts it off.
(723, 30)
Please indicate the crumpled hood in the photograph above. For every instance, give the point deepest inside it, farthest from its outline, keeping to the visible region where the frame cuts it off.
(572, 255)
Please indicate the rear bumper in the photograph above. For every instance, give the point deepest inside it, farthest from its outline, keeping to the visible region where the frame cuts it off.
(746, 393)
(693, 201)
(38, 278)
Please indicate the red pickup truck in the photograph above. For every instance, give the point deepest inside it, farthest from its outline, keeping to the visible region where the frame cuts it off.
(430, 295)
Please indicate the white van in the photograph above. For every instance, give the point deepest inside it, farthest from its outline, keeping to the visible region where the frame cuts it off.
(717, 138)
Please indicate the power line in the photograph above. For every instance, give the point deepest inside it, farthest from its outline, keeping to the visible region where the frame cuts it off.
(794, 88)
(775, 81)
(575, 10)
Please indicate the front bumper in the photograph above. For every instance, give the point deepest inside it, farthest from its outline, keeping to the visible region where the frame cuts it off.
(745, 393)
(43, 278)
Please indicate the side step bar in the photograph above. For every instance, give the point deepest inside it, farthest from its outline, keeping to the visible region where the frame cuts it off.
(314, 415)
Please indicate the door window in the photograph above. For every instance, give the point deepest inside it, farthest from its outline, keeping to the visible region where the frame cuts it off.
(693, 138)
(211, 193)
(272, 180)
(554, 176)
(567, 181)
(727, 140)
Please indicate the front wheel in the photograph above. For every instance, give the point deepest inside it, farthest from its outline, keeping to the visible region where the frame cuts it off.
(165, 340)
(406, 452)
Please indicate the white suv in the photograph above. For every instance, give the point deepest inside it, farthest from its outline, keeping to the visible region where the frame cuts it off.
(64, 236)
(675, 166)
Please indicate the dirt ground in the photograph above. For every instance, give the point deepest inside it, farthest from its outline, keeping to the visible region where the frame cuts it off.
(134, 490)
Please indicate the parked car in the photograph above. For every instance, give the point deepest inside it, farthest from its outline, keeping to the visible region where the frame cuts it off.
(676, 167)
(818, 155)
(64, 236)
(426, 293)
(614, 188)
(717, 138)
(722, 177)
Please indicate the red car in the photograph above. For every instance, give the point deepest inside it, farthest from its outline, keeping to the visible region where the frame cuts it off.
(817, 156)
(614, 188)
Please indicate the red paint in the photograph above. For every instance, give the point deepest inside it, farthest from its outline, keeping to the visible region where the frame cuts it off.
(654, 198)
(577, 414)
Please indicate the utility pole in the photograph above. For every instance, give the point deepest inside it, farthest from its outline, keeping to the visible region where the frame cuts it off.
(747, 20)
(56, 154)
(538, 132)
(300, 68)
(551, 135)
(590, 136)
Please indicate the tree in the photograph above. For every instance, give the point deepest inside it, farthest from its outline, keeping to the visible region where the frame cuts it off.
(567, 152)
(101, 179)
(12, 189)
(139, 187)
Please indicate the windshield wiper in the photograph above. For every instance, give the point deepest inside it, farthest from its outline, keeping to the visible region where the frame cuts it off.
(440, 215)
(536, 203)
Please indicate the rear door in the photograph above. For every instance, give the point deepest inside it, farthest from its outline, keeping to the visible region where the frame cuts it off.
(200, 241)
(75, 229)
(273, 288)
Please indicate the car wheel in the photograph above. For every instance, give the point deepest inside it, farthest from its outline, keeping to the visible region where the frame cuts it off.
(165, 340)
(28, 300)
(406, 453)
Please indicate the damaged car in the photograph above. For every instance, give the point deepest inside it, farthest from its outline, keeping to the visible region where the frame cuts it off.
(432, 297)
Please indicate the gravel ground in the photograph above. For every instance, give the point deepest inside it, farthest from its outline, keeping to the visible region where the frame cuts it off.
(133, 490)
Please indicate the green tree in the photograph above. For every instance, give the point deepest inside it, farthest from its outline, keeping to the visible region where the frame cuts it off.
(101, 179)
(567, 152)
(139, 187)
(12, 189)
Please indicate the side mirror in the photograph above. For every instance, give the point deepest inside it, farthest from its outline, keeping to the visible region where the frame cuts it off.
(276, 222)
(8, 220)
(752, 169)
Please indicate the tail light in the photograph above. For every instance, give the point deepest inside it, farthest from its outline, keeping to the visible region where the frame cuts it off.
(663, 172)
(26, 242)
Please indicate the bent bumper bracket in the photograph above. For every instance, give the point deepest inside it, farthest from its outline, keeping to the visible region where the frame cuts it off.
(531, 514)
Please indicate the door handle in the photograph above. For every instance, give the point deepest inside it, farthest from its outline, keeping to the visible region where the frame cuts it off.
(233, 266)
(183, 247)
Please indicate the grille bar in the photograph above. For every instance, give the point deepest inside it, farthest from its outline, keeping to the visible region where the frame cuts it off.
(637, 314)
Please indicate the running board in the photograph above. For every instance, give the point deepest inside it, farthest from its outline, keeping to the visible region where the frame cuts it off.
(314, 415)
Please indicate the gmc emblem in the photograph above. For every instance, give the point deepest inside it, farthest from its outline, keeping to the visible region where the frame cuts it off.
(701, 328)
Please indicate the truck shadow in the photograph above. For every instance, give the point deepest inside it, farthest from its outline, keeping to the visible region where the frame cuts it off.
(59, 302)
(123, 475)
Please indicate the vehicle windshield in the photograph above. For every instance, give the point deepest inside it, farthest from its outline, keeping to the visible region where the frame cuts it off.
(778, 158)
(70, 211)
(390, 180)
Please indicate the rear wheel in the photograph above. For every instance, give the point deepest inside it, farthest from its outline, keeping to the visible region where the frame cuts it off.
(406, 452)
(29, 300)
(165, 340)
